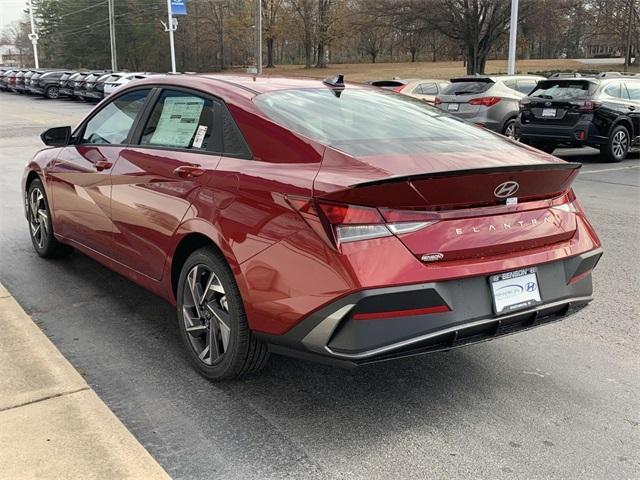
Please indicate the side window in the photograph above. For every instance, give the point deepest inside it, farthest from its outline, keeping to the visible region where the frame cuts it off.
(426, 89)
(181, 120)
(234, 144)
(613, 89)
(111, 125)
(634, 90)
(526, 86)
(510, 84)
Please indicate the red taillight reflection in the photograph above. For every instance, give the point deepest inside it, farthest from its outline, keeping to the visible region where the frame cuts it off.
(437, 101)
(485, 101)
(398, 88)
(401, 313)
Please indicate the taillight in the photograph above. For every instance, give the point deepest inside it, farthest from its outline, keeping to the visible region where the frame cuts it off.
(437, 101)
(398, 88)
(351, 223)
(485, 101)
(524, 103)
(589, 106)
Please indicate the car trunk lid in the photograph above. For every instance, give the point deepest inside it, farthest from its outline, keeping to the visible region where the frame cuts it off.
(473, 205)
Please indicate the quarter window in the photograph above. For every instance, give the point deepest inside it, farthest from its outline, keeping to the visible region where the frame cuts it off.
(634, 90)
(525, 86)
(180, 120)
(614, 90)
(111, 125)
(426, 89)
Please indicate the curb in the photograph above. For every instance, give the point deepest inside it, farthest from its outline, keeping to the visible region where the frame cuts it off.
(52, 423)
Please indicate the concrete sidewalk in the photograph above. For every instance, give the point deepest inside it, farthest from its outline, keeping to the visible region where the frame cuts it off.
(52, 424)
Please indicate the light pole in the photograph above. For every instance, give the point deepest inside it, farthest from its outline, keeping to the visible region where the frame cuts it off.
(33, 36)
(112, 35)
(170, 27)
(513, 35)
(259, 37)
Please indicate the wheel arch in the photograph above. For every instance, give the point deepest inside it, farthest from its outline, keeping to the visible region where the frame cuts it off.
(626, 122)
(191, 237)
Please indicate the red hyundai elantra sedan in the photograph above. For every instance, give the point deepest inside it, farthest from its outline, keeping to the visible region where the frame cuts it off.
(332, 222)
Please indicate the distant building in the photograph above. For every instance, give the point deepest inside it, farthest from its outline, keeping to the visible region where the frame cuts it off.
(10, 55)
(602, 45)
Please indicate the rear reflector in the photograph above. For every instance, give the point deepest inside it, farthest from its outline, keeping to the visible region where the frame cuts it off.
(401, 313)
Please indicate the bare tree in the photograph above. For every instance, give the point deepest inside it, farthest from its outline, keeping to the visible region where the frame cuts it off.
(270, 24)
(304, 9)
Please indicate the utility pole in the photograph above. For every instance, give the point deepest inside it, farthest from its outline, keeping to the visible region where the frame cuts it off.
(33, 36)
(258, 37)
(627, 51)
(513, 36)
(112, 35)
(171, 27)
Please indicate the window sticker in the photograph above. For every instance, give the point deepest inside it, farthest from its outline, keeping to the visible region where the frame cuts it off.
(199, 138)
(178, 121)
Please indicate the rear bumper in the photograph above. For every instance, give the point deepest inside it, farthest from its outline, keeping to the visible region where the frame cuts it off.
(66, 91)
(333, 335)
(581, 133)
(93, 94)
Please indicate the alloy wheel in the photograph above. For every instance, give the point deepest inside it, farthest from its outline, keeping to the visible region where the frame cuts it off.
(510, 130)
(53, 92)
(38, 217)
(205, 313)
(620, 143)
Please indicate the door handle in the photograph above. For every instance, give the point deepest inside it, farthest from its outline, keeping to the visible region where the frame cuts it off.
(189, 171)
(102, 165)
(631, 107)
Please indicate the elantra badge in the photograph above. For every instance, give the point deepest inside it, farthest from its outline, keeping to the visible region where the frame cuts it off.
(506, 189)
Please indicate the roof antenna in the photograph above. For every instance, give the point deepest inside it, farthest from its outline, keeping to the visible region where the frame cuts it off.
(337, 82)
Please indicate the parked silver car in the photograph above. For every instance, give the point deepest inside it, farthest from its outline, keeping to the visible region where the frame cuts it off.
(488, 101)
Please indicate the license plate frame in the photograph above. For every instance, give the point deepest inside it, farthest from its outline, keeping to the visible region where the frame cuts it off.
(549, 112)
(515, 290)
(453, 107)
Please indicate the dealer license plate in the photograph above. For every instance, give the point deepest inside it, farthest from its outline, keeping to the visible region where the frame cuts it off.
(453, 107)
(516, 290)
(548, 112)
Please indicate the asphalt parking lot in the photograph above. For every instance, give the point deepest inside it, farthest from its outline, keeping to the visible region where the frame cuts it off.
(562, 401)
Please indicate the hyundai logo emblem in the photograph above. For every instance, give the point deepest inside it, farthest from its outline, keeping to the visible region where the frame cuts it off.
(547, 104)
(506, 189)
(530, 287)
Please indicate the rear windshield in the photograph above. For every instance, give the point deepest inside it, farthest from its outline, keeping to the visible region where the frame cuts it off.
(467, 87)
(366, 118)
(561, 90)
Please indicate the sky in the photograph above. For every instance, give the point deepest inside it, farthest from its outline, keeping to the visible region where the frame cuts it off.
(10, 11)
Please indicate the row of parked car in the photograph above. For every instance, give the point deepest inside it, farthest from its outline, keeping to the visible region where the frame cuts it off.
(601, 111)
(84, 85)
(575, 110)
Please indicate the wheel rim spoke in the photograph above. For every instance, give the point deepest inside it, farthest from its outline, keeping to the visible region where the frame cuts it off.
(205, 314)
(223, 321)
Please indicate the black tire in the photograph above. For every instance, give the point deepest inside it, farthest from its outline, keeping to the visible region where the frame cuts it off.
(509, 129)
(40, 225)
(207, 322)
(617, 148)
(52, 92)
(546, 147)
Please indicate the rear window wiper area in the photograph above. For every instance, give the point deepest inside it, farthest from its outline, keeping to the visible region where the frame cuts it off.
(464, 92)
(548, 97)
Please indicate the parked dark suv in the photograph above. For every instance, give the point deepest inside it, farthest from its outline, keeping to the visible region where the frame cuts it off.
(601, 112)
(47, 83)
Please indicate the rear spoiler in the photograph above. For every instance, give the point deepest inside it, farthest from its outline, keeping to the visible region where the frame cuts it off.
(471, 171)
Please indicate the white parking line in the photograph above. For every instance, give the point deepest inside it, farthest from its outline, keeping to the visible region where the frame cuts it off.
(609, 169)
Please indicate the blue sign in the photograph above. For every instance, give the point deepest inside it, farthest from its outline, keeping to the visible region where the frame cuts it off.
(178, 8)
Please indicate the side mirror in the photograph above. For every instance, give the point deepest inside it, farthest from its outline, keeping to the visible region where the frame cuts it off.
(56, 136)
